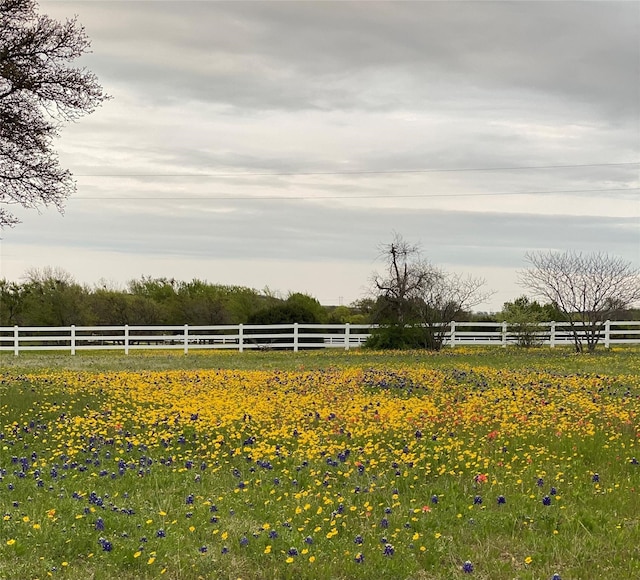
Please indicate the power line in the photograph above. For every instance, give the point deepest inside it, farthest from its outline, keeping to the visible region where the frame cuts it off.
(348, 173)
(385, 196)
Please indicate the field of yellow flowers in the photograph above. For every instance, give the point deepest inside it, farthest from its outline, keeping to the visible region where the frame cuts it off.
(397, 469)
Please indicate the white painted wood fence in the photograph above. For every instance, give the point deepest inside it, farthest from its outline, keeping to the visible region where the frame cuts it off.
(277, 336)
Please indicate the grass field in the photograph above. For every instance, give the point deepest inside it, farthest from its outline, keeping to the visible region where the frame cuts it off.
(493, 464)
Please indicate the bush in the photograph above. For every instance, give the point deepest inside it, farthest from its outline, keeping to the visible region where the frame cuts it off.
(396, 337)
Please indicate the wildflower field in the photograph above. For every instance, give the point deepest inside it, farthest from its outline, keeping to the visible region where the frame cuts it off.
(357, 465)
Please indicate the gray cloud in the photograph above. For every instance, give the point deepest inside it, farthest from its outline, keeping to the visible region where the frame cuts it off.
(311, 232)
(379, 55)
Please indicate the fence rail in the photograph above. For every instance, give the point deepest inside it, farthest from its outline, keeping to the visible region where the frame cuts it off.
(279, 336)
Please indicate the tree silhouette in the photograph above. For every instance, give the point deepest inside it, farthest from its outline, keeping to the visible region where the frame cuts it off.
(39, 92)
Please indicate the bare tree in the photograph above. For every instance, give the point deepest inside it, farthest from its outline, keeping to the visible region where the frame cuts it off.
(448, 297)
(39, 92)
(587, 289)
(406, 275)
(416, 301)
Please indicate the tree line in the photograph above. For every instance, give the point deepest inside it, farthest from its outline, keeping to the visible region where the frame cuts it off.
(412, 302)
(51, 297)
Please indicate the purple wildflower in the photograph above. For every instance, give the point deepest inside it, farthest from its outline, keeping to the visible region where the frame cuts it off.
(107, 546)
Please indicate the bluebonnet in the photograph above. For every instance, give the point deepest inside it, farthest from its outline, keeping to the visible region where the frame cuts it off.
(107, 546)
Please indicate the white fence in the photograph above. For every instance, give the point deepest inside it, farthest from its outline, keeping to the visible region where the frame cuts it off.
(278, 336)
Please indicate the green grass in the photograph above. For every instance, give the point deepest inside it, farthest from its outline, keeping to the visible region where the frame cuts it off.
(416, 425)
(616, 360)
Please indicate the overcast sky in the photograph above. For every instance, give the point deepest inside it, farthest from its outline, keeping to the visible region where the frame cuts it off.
(280, 143)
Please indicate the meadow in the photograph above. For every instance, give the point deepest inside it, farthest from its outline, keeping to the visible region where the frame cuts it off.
(498, 464)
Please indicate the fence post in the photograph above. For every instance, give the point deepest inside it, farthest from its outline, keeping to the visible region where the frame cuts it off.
(552, 335)
(295, 337)
(504, 334)
(453, 333)
(240, 338)
(73, 339)
(607, 334)
(346, 336)
(16, 341)
(186, 339)
(126, 339)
